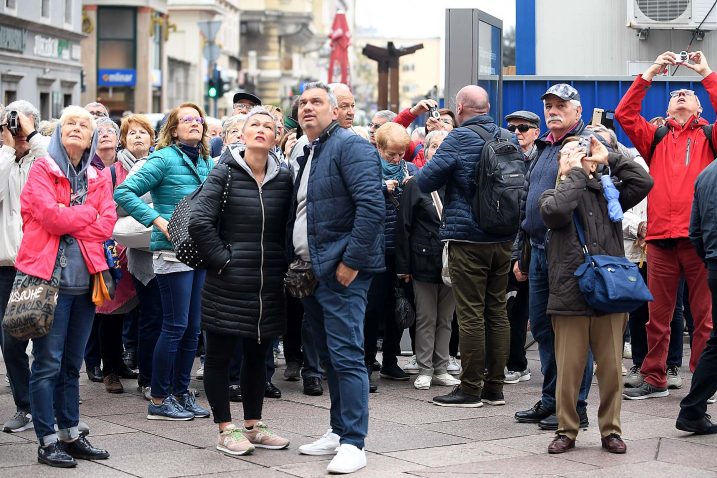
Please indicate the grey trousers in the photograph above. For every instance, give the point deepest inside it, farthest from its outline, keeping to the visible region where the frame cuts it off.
(434, 313)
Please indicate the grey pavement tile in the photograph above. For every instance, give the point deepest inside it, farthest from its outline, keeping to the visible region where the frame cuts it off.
(539, 440)
(96, 405)
(666, 407)
(518, 466)
(255, 471)
(136, 443)
(650, 428)
(681, 452)
(653, 469)
(306, 426)
(457, 454)
(488, 428)
(138, 421)
(100, 426)
(708, 440)
(84, 469)
(28, 436)
(18, 455)
(417, 412)
(377, 466)
(638, 451)
(386, 437)
(178, 463)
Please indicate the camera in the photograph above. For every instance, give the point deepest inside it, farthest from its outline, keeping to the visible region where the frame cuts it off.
(433, 113)
(12, 122)
(584, 143)
(682, 57)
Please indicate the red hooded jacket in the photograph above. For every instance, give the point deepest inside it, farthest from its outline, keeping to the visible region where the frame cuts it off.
(677, 160)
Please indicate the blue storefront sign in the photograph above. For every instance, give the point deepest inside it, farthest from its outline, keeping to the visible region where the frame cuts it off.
(116, 77)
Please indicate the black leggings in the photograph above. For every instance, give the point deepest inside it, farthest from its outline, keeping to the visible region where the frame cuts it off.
(219, 352)
(110, 335)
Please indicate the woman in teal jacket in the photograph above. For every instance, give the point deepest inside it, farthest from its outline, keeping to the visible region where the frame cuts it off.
(179, 165)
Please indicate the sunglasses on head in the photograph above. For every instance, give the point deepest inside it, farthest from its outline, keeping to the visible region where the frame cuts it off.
(681, 92)
(523, 128)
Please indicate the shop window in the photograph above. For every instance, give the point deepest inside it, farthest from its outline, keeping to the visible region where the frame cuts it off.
(66, 100)
(44, 105)
(116, 30)
(10, 96)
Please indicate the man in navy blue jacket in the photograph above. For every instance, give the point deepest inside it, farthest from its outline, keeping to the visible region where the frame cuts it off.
(338, 226)
(479, 262)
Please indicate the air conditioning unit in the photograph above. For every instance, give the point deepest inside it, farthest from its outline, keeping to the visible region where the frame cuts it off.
(671, 14)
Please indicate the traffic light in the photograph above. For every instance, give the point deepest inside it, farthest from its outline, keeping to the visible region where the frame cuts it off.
(212, 88)
(219, 83)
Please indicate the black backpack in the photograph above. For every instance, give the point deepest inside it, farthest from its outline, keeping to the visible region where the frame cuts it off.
(662, 131)
(499, 178)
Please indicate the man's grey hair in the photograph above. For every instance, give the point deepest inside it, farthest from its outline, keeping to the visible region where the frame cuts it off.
(228, 123)
(387, 114)
(104, 121)
(323, 86)
(47, 127)
(439, 133)
(26, 108)
(95, 103)
(598, 128)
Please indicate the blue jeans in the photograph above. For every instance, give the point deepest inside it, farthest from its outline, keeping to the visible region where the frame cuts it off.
(55, 379)
(542, 329)
(13, 350)
(336, 314)
(149, 323)
(181, 294)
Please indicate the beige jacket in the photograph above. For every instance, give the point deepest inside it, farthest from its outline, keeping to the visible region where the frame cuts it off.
(631, 222)
(13, 176)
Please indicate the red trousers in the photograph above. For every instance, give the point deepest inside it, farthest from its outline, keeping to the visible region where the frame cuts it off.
(663, 277)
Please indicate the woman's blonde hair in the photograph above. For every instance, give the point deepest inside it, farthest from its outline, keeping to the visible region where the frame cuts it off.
(74, 111)
(139, 120)
(166, 137)
(392, 133)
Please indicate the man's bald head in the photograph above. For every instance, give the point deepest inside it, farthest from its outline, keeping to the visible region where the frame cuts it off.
(471, 100)
(347, 105)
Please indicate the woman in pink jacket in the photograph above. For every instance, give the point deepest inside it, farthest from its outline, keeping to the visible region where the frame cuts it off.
(67, 209)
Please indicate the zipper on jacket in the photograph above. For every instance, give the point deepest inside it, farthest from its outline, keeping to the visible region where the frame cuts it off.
(261, 270)
(687, 154)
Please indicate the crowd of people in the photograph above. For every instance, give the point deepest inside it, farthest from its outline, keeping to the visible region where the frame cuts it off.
(313, 233)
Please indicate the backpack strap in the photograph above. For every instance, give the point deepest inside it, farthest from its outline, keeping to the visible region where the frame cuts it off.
(113, 172)
(662, 131)
(481, 131)
(707, 130)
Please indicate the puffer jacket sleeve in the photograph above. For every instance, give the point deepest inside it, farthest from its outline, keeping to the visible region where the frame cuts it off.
(361, 172)
(129, 194)
(436, 173)
(101, 228)
(557, 205)
(39, 199)
(205, 217)
(404, 225)
(635, 181)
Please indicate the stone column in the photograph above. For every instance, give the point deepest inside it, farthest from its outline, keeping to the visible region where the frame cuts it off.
(88, 56)
(143, 88)
(269, 63)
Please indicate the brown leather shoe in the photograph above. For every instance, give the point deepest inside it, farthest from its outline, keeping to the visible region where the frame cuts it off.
(112, 383)
(614, 444)
(560, 444)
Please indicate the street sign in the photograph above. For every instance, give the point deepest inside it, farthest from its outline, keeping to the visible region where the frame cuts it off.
(211, 52)
(210, 29)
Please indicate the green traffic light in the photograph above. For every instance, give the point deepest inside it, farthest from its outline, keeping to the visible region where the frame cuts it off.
(212, 92)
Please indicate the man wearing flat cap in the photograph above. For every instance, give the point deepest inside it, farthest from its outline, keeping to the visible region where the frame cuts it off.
(562, 111)
(242, 103)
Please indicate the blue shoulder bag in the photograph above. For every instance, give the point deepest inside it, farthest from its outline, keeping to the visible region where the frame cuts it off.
(609, 284)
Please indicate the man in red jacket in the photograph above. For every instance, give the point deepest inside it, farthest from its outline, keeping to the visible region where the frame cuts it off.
(674, 163)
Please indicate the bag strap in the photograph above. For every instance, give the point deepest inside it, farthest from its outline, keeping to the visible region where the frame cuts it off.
(481, 131)
(707, 130)
(660, 133)
(437, 203)
(581, 235)
(113, 172)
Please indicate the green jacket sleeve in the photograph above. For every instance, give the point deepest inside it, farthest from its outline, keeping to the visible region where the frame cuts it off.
(128, 195)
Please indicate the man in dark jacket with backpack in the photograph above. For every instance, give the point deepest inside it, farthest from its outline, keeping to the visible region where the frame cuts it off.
(563, 111)
(676, 154)
(479, 261)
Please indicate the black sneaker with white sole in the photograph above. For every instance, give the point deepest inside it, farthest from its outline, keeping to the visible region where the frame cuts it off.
(492, 398)
(458, 398)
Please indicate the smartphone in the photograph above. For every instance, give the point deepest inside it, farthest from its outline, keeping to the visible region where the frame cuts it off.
(597, 116)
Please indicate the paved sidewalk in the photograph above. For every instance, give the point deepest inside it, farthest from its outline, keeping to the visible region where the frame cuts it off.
(408, 437)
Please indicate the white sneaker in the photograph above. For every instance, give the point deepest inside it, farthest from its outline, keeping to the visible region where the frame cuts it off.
(445, 379)
(627, 350)
(712, 399)
(200, 373)
(347, 460)
(412, 366)
(423, 382)
(453, 367)
(624, 370)
(326, 445)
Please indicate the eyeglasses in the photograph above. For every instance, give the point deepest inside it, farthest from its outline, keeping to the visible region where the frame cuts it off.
(191, 119)
(98, 114)
(685, 92)
(375, 125)
(523, 128)
(243, 107)
(101, 131)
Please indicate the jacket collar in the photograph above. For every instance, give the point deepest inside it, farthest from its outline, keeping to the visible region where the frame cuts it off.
(188, 161)
(272, 164)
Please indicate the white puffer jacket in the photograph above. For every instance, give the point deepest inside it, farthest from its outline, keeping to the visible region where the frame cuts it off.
(13, 176)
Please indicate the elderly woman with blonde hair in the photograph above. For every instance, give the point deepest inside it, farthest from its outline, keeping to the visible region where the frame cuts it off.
(68, 214)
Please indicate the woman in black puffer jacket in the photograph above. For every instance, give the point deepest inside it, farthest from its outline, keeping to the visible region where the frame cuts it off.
(243, 245)
(577, 327)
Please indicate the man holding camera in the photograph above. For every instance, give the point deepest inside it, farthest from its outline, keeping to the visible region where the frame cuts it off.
(22, 144)
(676, 154)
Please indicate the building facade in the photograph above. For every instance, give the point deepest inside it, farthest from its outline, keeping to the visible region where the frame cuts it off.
(40, 53)
(124, 54)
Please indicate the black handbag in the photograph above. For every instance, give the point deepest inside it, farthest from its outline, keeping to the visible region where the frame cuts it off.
(178, 227)
(299, 280)
(403, 312)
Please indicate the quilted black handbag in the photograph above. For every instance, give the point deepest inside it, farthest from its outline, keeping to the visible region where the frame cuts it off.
(404, 314)
(178, 226)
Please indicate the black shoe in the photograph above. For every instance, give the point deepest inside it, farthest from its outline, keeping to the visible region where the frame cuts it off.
(82, 449)
(372, 386)
(551, 422)
(126, 372)
(235, 393)
(95, 374)
(271, 391)
(375, 366)
(702, 426)
(292, 372)
(533, 415)
(393, 372)
(312, 386)
(130, 358)
(458, 398)
(492, 398)
(55, 455)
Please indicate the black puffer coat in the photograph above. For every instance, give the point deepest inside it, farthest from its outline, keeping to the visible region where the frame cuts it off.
(584, 195)
(244, 291)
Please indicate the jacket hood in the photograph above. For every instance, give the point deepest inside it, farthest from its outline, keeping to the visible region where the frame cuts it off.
(272, 163)
(58, 154)
(694, 122)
